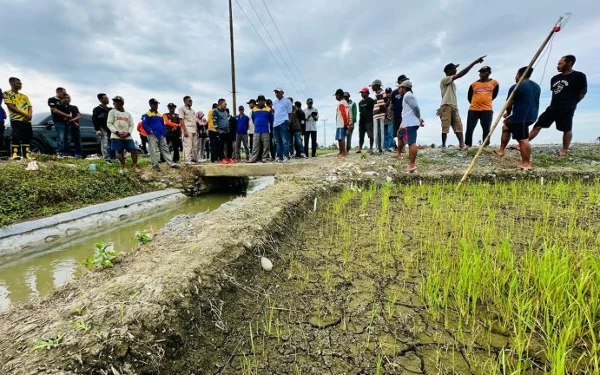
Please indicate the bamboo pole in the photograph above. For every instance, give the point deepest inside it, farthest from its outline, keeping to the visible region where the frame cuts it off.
(555, 29)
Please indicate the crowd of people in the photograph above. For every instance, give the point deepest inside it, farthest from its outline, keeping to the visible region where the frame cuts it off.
(280, 129)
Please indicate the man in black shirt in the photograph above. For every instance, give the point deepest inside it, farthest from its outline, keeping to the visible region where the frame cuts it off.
(99, 118)
(60, 116)
(73, 131)
(568, 89)
(365, 122)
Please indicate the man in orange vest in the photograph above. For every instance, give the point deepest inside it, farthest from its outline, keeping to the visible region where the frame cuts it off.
(143, 136)
(172, 122)
(481, 94)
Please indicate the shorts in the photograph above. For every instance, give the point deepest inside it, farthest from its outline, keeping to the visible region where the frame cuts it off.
(519, 130)
(563, 119)
(450, 119)
(366, 127)
(119, 145)
(409, 134)
(340, 134)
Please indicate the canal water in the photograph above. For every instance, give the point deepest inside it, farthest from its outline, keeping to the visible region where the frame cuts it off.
(25, 278)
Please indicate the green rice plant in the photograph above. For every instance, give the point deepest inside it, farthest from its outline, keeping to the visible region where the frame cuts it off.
(366, 197)
(142, 237)
(83, 325)
(49, 343)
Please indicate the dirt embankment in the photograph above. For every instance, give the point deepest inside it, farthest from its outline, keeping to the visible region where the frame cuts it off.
(164, 303)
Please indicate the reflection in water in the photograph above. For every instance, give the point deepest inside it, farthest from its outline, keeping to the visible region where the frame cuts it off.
(22, 279)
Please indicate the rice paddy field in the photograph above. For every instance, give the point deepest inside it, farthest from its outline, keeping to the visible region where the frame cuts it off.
(495, 278)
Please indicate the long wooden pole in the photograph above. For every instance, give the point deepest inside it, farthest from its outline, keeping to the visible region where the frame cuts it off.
(555, 29)
(231, 41)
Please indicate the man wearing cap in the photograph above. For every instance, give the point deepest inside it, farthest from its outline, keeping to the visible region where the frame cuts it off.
(365, 122)
(342, 122)
(190, 135)
(378, 115)
(282, 117)
(120, 123)
(312, 116)
(154, 125)
(354, 115)
(269, 104)
(172, 121)
(397, 115)
(251, 104)
(411, 121)
(481, 94)
(262, 117)
(241, 136)
(448, 111)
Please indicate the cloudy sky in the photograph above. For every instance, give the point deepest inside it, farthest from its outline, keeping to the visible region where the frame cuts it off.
(167, 49)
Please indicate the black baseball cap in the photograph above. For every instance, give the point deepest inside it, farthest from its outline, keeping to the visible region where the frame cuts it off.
(485, 69)
(171, 105)
(402, 78)
(388, 89)
(153, 101)
(251, 101)
(260, 97)
(339, 92)
(450, 67)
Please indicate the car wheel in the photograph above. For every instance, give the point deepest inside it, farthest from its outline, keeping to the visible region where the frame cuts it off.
(37, 148)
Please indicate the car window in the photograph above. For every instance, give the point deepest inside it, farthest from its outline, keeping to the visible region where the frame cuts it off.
(86, 121)
(39, 118)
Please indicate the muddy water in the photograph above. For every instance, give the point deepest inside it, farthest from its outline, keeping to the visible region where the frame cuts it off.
(24, 278)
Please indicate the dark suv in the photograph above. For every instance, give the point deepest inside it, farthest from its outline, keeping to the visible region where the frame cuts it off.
(44, 136)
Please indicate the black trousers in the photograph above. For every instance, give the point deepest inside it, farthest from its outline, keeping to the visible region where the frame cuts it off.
(251, 142)
(175, 141)
(313, 137)
(485, 117)
(2, 134)
(224, 149)
(214, 146)
(21, 132)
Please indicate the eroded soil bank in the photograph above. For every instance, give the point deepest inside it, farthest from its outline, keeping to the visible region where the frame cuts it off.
(343, 298)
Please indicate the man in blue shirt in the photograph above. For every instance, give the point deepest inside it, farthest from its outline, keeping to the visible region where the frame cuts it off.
(521, 113)
(241, 136)
(283, 112)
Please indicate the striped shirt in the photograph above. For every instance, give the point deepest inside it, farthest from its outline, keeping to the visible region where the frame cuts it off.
(379, 110)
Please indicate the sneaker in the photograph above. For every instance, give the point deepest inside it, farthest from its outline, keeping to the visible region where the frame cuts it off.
(230, 161)
(224, 161)
(279, 160)
(285, 160)
(156, 167)
(176, 166)
(303, 156)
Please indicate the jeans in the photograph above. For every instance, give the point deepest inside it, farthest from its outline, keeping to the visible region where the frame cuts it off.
(313, 137)
(159, 146)
(61, 134)
(75, 134)
(379, 130)
(105, 144)
(349, 132)
(241, 139)
(297, 137)
(485, 117)
(2, 134)
(280, 134)
(389, 136)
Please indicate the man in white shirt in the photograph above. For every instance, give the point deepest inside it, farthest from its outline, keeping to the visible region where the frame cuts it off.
(120, 123)
(312, 116)
(411, 121)
(283, 112)
(187, 118)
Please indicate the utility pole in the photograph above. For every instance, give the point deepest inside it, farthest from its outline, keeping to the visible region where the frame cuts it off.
(324, 133)
(233, 91)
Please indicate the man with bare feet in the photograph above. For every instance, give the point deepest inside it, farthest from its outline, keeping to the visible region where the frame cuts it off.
(411, 122)
(342, 122)
(521, 112)
(568, 89)
(448, 111)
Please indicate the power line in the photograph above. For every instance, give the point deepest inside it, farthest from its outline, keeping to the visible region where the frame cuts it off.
(266, 45)
(284, 44)
(277, 48)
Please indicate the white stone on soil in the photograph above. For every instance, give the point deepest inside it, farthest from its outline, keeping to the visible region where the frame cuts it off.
(266, 264)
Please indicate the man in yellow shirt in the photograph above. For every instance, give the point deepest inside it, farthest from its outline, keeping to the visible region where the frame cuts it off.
(21, 111)
(212, 134)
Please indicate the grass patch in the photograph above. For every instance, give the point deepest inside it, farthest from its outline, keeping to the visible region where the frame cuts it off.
(60, 186)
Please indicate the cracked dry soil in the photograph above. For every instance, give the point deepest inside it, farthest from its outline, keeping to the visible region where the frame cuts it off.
(333, 304)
